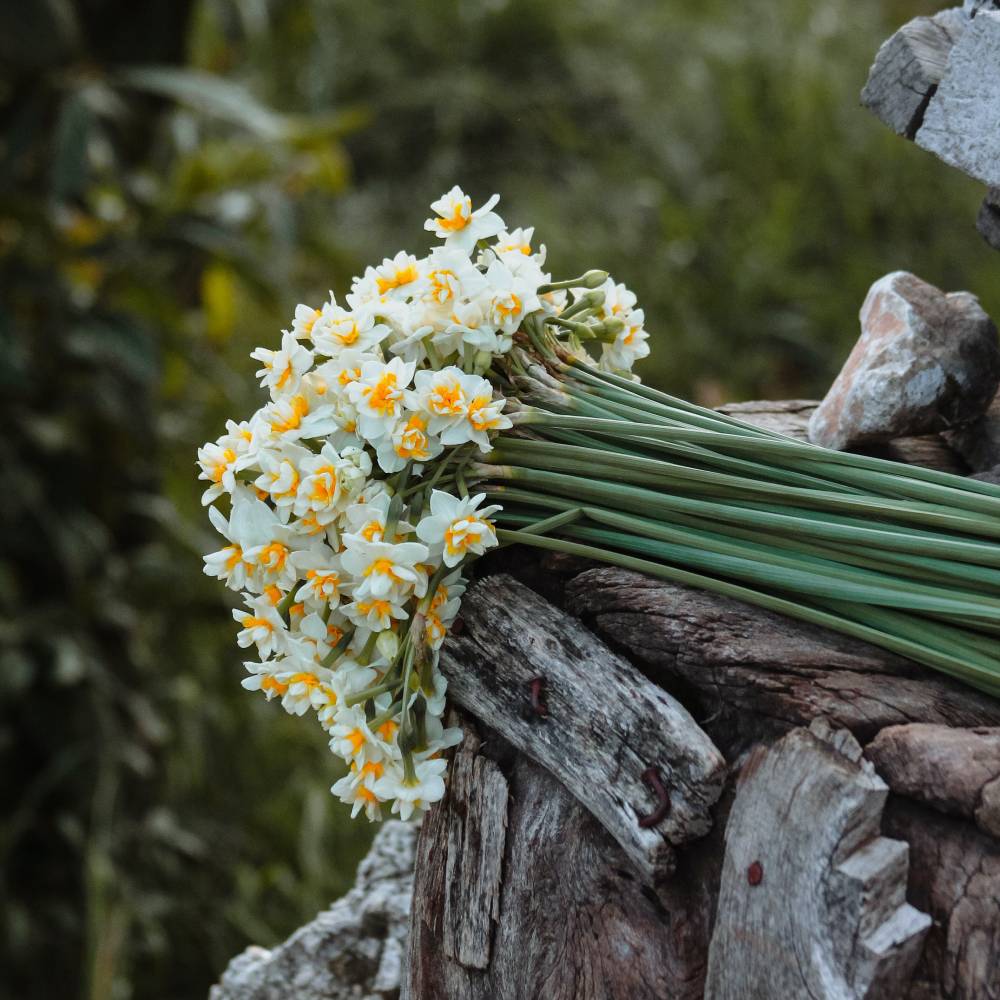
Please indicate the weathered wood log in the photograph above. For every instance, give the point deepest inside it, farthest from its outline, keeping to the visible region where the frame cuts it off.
(757, 672)
(812, 899)
(562, 697)
(954, 770)
(908, 69)
(574, 922)
(955, 877)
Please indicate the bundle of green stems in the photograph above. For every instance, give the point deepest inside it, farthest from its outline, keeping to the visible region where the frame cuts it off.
(599, 466)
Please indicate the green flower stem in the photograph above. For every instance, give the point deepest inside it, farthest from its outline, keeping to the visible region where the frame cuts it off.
(648, 471)
(802, 523)
(372, 692)
(754, 564)
(867, 473)
(984, 679)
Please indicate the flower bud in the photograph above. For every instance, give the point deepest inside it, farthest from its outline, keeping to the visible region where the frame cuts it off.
(594, 279)
(387, 644)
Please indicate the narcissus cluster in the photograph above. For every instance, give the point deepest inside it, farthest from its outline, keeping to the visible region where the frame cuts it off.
(342, 502)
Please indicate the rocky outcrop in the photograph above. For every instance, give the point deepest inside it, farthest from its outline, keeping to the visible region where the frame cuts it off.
(352, 951)
(926, 361)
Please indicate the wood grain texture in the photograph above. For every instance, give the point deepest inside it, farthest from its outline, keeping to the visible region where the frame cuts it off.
(474, 852)
(955, 877)
(954, 770)
(908, 68)
(574, 923)
(812, 899)
(605, 724)
(756, 671)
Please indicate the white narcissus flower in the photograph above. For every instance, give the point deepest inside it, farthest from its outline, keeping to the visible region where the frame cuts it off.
(409, 442)
(337, 330)
(374, 614)
(320, 568)
(353, 741)
(368, 519)
(378, 396)
(283, 369)
(227, 563)
(395, 278)
(458, 225)
(304, 320)
(355, 789)
(261, 626)
(457, 528)
(222, 459)
(385, 570)
(451, 277)
(412, 796)
(443, 608)
(512, 296)
(460, 406)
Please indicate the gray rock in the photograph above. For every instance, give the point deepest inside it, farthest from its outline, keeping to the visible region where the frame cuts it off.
(988, 219)
(925, 362)
(979, 442)
(962, 121)
(908, 68)
(352, 951)
(989, 476)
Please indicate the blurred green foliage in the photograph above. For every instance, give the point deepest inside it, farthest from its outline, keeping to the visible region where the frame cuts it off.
(174, 176)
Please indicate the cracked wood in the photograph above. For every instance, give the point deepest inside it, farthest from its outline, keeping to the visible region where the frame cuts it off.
(605, 723)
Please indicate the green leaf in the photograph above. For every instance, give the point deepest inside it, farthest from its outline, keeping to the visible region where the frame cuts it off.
(210, 95)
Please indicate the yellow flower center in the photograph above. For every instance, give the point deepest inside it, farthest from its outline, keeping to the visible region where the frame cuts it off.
(403, 276)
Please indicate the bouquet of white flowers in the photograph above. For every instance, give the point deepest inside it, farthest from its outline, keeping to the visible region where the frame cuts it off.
(350, 509)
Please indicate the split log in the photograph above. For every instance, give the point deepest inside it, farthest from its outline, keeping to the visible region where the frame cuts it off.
(812, 900)
(575, 921)
(562, 697)
(908, 69)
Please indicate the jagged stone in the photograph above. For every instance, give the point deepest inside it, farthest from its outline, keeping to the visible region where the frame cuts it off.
(908, 69)
(926, 361)
(352, 951)
(962, 121)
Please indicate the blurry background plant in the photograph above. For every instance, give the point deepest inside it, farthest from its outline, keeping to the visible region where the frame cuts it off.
(174, 176)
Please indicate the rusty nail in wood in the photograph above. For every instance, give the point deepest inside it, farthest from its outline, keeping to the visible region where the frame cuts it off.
(652, 778)
(755, 873)
(538, 705)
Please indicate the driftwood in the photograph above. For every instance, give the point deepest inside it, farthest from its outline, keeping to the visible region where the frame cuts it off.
(813, 899)
(550, 690)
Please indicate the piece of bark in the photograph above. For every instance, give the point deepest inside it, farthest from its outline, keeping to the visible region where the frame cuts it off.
(475, 846)
(752, 668)
(955, 877)
(791, 417)
(812, 900)
(353, 951)
(954, 770)
(962, 123)
(556, 692)
(574, 923)
(908, 68)
(988, 219)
